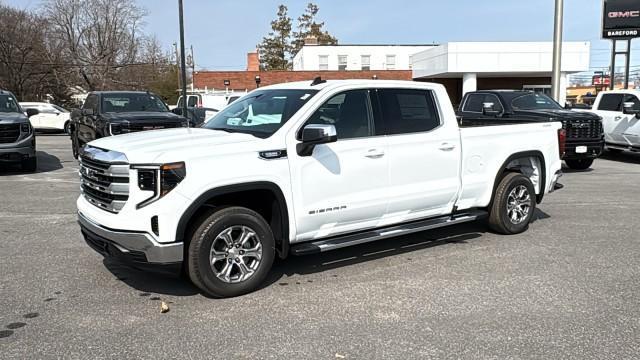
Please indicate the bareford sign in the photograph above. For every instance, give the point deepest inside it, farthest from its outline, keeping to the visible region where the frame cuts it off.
(621, 19)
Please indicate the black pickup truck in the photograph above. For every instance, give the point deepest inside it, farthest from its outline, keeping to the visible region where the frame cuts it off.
(584, 132)
(17, 136)
(107, 113)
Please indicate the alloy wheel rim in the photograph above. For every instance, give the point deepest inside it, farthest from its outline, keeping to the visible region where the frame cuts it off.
(518, 204)
(235, 254)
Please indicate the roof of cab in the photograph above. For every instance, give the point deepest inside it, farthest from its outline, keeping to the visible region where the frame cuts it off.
(308, 85)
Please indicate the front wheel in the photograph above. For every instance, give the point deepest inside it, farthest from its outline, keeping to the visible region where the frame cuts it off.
(67, 128)
(579, 164)
(231, 252)
(513, 205)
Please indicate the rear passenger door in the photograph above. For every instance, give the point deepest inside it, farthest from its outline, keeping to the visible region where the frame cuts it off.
(423, 153)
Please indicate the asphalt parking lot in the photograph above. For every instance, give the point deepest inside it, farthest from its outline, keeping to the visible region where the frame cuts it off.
(567, 288)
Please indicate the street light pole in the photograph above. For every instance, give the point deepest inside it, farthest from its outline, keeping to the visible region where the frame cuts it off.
(557, 50)
(183, 67)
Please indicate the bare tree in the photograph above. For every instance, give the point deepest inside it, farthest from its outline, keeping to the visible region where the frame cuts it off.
(98, 37)
(22, 67)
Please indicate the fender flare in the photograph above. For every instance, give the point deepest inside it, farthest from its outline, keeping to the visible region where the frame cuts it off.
(186, 216)
(543, 173)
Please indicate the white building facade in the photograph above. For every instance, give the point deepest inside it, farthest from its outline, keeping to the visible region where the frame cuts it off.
(356, 57)
(482, 64)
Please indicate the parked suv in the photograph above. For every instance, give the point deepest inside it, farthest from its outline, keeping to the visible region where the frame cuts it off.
(107, 113)
(584, 134)
(50, 117)
(17, 138)
(301, 168)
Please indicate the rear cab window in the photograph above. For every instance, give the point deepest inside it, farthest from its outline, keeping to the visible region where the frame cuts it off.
(474, 102)
(407, 111)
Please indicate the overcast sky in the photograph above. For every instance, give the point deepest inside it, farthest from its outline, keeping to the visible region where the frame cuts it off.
(223, 31)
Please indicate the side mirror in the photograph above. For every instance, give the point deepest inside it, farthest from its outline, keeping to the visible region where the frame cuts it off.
(489, 110)
(87, 111)
(568, 106)
(313, 135)
(32, 112)
(629, 109)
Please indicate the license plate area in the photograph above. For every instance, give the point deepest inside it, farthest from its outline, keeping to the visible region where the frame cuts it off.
(581, 149)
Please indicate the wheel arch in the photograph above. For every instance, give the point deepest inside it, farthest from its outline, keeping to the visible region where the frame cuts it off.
(248, 195)
(506, 167)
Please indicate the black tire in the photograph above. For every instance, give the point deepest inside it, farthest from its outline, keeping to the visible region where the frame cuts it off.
(74, 146)
(614, 151)
(30, 164)
(579, 164)
(207, 235)
(67, 128)
(499, 218)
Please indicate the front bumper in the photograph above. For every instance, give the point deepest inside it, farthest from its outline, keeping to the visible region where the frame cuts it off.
(18, 151)
(137, 249)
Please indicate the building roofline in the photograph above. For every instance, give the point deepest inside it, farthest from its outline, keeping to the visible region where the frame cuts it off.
(326, 45)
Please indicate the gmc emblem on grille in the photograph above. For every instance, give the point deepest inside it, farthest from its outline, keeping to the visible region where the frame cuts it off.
(580, 125)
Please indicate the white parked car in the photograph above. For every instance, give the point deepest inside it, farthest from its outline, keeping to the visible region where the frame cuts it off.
(50, 117)
(620, 112)
(301, 168)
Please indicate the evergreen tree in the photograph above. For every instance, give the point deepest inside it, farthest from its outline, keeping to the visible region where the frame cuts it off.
(275, 49)
(308, 27)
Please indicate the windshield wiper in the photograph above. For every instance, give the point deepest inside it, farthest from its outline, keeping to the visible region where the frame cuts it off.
(223, 129)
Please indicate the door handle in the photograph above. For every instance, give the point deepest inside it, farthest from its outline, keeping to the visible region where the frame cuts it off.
(374, 154)
(447, 147)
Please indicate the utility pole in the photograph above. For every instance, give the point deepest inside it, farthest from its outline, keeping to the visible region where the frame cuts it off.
(175, 49)
(183, 69)
(557, 50)
(192, 63)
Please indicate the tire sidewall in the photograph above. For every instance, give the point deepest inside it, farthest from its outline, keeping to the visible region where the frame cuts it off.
(201, 246)
(508, 225)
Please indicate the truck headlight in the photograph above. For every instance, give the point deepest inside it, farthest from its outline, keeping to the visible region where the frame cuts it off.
(160, 179)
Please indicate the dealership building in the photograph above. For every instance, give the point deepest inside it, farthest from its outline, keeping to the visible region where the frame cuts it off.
(459, 66)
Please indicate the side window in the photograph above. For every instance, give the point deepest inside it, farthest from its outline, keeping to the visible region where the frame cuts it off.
(633, 99)
(611, 102)
(192, 101)
(47, 109)
(408, 111)
(91, 102)
(474, 103)
(348, 112)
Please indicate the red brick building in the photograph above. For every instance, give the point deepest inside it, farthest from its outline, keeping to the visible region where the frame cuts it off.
(246, 80)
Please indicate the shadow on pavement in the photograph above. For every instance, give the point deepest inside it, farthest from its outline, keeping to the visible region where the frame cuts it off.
(46, 163)
(625, 157)
(147, 282)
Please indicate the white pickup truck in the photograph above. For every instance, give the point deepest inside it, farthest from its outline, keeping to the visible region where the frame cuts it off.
(620, 112)
(300, 168)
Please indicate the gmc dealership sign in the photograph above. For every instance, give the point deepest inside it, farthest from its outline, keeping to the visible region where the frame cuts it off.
(621, 19)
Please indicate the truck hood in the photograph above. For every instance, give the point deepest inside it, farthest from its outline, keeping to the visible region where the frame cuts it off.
(560, 114)
(12, 118)
(142, 116)
(169, 145)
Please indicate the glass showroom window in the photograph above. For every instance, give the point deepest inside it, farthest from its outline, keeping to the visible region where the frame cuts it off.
(391, 62)
(365, 62)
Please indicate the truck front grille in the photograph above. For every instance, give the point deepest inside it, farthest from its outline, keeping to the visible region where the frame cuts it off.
(9, 133)
(103, 184)
(583, 129)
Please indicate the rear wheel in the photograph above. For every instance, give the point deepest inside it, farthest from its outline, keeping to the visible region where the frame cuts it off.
(513, 204)
(579, 164)
(231, 252)
(67, 128)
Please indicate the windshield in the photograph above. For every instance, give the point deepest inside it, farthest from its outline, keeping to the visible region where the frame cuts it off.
(8, 104)
(132, 102)
(534, 102)
(260, 113)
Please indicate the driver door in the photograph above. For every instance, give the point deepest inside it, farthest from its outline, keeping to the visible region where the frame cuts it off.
(342, 186)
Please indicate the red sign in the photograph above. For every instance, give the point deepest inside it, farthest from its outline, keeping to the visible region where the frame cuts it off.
(601, 80)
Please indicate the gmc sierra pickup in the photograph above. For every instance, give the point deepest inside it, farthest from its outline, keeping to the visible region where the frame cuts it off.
(301, 168)
(107, 113)
(584, 137)
(17, 137)
(620, 112)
